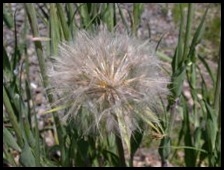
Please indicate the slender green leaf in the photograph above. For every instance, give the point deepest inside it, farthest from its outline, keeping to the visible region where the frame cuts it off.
(211, 126)
(190, 156)
(71, 22)
(42, 14)
(204, 62)
(64, 24)
(10, 140)
(109, 15)
(34, 26)
(111, 157)
(12, 116)
(120, 150)
(178, 56)
(30, 10)
(217, 96)
(218, 148)
(197, 138)
(7, 18)
(16, 55)
(177, 81)
(136, 139)
(27, 158)
(84, 13)
(136, 19)
(163, 56)
(82, 158)
(7, 71)
(164, 149)
(188, 29)
(197, 36)
(6, 62)
(187, 147)
(54, 30)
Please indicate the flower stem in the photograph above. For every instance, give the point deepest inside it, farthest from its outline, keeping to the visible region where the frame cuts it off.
(218, 84)
(120, 150)
(30, 10)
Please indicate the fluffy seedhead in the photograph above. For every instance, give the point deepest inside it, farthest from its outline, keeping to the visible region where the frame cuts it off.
(109, 82)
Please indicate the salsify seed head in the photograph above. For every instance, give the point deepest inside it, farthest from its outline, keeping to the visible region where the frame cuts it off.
(105, 77)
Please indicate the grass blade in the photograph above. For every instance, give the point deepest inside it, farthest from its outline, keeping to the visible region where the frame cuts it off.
(27, 158)
(12, 116)
(190, 157)
(188, 29)
(164, 150)
(10, 140)
(7, 18)
(109, 16)
(178, 56)
(197, 36)
(84, 13)
(34, 26)
(71, 22)
(202, 59)
(137, 11)
(39, 50)
(64, 24)
(218, 84)
(136, 139)
(54, 30)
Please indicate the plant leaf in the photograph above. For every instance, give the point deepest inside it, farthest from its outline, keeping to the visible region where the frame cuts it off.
(27, 158)
(10, 140)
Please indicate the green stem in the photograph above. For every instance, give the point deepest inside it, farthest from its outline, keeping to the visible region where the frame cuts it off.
(218, 83)
(62, 18)
(137, 11)
(12, 117)
(120, 150)
(188, 29)
(39, 50)
(30, 10)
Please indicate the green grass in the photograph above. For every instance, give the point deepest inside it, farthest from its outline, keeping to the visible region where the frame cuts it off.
(198, 133)
(213, 26)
